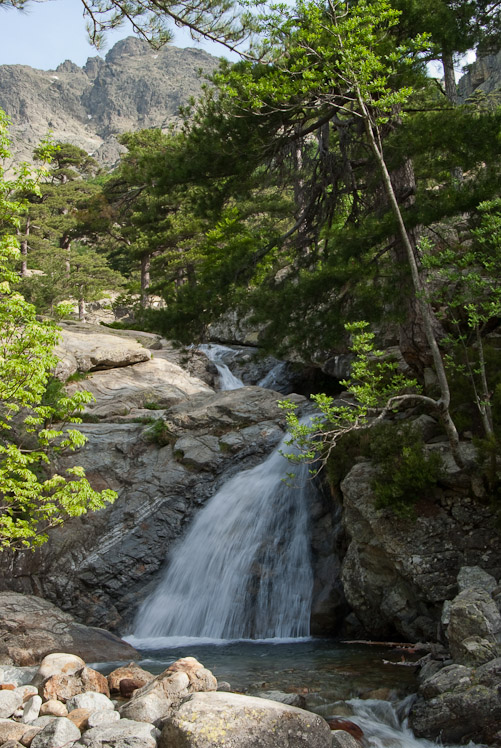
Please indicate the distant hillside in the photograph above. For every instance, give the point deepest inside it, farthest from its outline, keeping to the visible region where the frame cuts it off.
(134, 87)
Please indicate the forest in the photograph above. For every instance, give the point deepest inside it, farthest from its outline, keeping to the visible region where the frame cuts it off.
(325, 187)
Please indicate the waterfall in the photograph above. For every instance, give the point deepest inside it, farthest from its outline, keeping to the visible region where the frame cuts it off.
(243, 571)
(274, 379)
(215, 353)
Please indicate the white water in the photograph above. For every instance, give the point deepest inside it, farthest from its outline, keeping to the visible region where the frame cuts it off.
(385, 724)
(214, 352)
(243, 570)
(274, 377)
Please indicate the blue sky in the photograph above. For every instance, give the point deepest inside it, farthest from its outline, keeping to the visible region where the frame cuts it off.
(48, 33)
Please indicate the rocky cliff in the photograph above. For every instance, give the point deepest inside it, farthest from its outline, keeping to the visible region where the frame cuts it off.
(134, 87)
(481, 77)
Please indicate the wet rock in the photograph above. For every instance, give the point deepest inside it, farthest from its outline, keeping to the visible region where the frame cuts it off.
(292, 699)
(208, 719)
(343, 739)
(346, 725)
(123, 734)
(61, 731)
(459, 704)
(31, 628)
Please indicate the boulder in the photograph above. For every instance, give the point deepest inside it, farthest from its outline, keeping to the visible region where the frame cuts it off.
(459, 704)
(102, 717)
(80, 717)
(61, 731)
(11, 730)
(59, 662)
(215, 719)
(31, 709)
(10, 701)
(85, 349)
(474, 576)
(154, 701)
(27, 692)
(28, 736)
(343, 739)
(133, 673)
(31, 628)
(65, 687)
(123, 734)
(475, 619)
(55, 708)
(90, 700)
(292, 699)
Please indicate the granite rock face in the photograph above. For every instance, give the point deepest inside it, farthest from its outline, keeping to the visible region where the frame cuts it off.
(31, 628)
(134, 87)
(397, 573)
(165, 441)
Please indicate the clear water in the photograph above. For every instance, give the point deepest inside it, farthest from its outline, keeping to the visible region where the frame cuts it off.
(243, 570)
(215, 353)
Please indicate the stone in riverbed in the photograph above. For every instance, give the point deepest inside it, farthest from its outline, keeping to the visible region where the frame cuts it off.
(473, 613)
(102, 717)
(343, 739)
(61, 731)
(11, 730)
(59, 662)
(79, 717)
(130, 672)
(9, 702)
(123, 734)
(214, 719)
(55, 708)
(90, 700)
(64, 687)
(31, 709)
(154, 701)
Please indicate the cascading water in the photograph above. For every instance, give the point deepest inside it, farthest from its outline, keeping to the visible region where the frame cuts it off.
(243, 571)
(214, 352)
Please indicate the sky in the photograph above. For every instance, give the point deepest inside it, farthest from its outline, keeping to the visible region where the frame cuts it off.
(49, 33)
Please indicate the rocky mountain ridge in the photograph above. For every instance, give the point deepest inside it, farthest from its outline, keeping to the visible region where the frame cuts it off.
(134, 87)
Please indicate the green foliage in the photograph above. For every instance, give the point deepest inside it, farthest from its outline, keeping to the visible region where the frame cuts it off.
(33, 497)
(158, 433)
(406, 472)
(375, 389)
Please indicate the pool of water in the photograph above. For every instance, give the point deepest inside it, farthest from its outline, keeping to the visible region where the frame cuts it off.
(322, 670)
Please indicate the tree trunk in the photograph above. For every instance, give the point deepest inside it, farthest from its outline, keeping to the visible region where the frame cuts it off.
(24, 249)
(443, 403)
(81, 308)
(145, 280)
(451, 90)
(65, 243)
